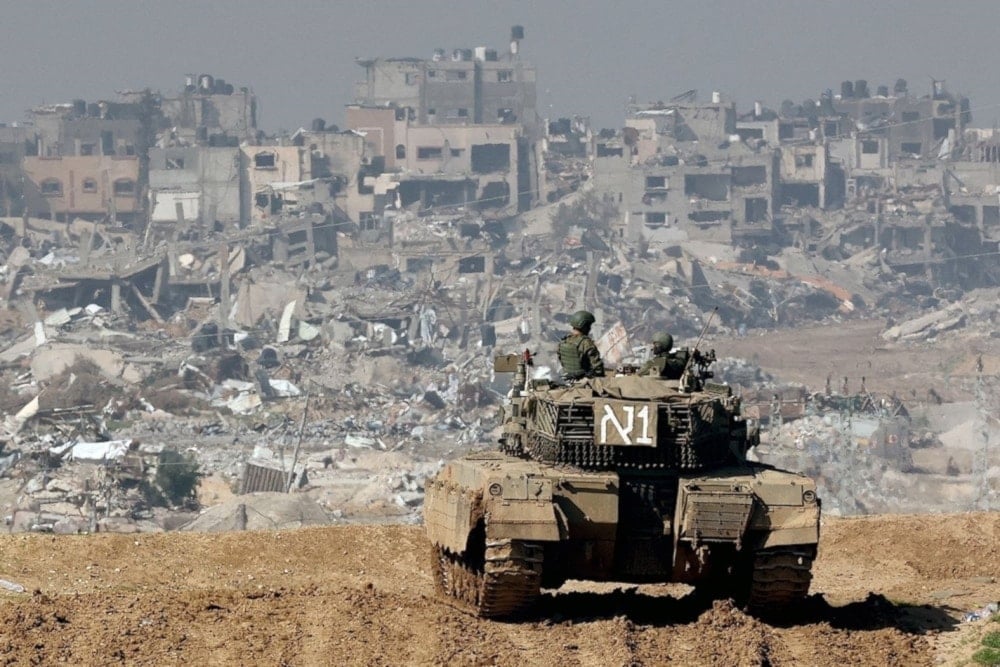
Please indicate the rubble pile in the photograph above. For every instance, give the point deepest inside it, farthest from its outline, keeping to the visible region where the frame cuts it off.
(870, 454)
(370, 353)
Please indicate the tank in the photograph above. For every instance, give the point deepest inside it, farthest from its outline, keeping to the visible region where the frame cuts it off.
(621, 478)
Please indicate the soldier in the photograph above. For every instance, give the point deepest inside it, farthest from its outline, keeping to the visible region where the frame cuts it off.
(577, 352)
(664, 364)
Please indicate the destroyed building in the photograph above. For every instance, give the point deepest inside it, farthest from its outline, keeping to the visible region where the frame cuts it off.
(459, 129)
(686, 175)
(207, 110)
(197, 185)
(16, 141)
(913, 126)
(480, 86)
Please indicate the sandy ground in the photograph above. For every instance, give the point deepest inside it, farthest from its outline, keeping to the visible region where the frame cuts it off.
(887, 591)
(855, 349)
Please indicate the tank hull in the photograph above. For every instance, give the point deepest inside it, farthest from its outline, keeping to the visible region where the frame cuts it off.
(698, 528)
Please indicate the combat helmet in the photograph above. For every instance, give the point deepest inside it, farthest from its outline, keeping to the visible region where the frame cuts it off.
(663, 341)
(582, 320)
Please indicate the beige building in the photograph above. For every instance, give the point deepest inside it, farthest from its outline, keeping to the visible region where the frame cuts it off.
(92, 187)
(446, 165)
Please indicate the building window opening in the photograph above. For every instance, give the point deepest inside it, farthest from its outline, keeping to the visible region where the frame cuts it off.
(495, 195)
(749, 175)
(429, 152)
(505, 75)
(655, 219)
(755, 210)
(89, 185)
(714, 187)
(124, 187)
(472, 264)
(51, 188)
(175, 163)
(911, 147)
(400, 152)
(265, 161)
(455, 75)
(487, 158)
(869, 147)
(804, 160)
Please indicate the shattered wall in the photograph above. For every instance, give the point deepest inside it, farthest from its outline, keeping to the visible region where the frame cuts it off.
(454, 91)
(212, 175)
(340, 156)
(233, 114)
(268, 166)
(377, 125)
(804, 175)
(488, 156)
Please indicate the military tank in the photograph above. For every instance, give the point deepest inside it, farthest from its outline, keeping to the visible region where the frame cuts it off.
(622, 478)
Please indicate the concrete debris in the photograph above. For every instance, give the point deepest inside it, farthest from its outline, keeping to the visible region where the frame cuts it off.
(929, 325)
(309, 305)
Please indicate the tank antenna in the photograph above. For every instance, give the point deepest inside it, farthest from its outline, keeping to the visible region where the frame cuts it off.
(685, 375)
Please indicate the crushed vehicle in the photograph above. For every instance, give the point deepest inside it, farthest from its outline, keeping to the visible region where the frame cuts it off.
(622, 478)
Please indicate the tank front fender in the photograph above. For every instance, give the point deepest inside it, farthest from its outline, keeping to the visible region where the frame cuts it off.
(450, 514)
(522, 520)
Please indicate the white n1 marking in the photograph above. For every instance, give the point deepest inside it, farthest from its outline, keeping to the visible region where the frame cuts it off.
(625, 431)
(644, 439)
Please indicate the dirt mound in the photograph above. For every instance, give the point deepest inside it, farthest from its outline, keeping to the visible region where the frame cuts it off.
(886, 591)
(259, 511)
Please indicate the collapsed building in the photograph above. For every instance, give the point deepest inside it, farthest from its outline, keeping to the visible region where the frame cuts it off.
(456, 129)
(239, 282)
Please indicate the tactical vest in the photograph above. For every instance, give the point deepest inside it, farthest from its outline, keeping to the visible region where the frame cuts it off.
(570, 356)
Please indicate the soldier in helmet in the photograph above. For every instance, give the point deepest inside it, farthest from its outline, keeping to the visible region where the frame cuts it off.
(577, 352)
(664, 363)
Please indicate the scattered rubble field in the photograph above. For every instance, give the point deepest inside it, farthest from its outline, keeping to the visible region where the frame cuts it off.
(887, 591)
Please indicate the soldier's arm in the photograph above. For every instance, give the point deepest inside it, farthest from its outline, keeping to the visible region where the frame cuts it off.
(594, 357)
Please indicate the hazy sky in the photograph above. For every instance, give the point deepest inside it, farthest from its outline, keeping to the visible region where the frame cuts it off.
(590, 54)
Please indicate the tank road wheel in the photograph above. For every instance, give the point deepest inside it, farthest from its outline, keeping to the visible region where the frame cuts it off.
(780, 577)
(506, 582)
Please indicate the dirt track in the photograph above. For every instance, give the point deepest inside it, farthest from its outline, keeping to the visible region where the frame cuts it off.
(854, 348)
(891, 591)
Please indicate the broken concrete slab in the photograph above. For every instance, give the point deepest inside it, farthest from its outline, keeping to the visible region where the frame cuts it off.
(53, 359)
(935, 322)
(255, 300)
(285, 325)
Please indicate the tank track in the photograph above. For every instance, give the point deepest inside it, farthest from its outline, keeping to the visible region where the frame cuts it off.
(506, 584)
(780, 577)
